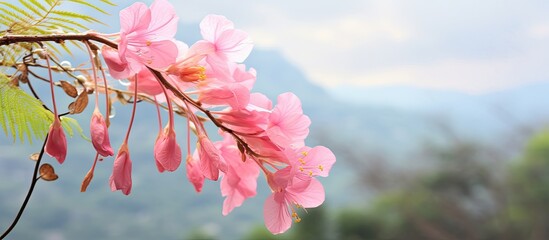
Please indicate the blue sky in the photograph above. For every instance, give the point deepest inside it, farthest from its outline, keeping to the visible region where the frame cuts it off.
(467, 45)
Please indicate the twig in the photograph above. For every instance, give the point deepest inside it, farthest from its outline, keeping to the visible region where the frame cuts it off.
(35, 178)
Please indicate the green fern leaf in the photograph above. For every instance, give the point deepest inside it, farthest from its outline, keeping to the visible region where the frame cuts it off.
(38, 5)
(75, 15)
(86, 3)
(108, 2)
(31, 7)
(21, 114)
(30, 17)
(70, 125)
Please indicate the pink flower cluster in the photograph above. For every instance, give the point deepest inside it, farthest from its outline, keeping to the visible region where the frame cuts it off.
(257, 137)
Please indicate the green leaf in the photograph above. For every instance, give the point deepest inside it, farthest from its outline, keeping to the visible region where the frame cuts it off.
(70, 124)
(38, 5)
(31, 7)
(86, 3)
(75, 15)
(21, 114)
(32, 17)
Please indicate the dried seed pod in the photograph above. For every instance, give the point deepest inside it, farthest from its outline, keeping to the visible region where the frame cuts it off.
(69, 89)
(34, 156)
(80, 104)
(47, 172)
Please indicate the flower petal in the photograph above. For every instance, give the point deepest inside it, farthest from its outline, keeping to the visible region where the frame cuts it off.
(276, 215)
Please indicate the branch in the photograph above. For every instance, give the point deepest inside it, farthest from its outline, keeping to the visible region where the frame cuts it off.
(59, 38)
(35, 179)
(186, 98)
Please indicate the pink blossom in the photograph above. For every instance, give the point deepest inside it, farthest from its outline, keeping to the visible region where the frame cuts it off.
(240, 180)
(229, 85)
(56, 144)
(317, 161)
(194, 174)
(211, 161)
(226, 43)
(148, 84)
(167, 152)
(288, 126)
(245, 121)
(121, 178)
(100, 135)
(280, 206)
(187, 67)
(233, 94)
(146, 38)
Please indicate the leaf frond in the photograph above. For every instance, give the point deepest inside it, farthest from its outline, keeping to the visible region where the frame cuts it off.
(32, 17)
(22, 116)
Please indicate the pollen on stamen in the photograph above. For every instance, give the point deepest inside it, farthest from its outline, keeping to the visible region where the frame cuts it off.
(304, 153)
(296, 217)
(191, 74)
(300, 168)
(148, 43)
(321, 167)
(310, 173)
(301, 160)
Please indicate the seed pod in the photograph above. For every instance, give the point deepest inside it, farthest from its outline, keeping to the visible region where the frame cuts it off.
(69, 89)
(47, 172)
(80, 104)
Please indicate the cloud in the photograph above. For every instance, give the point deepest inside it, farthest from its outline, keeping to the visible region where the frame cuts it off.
(466, 45)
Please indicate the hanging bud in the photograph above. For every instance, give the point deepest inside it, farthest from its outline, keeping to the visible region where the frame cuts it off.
(167, 152)
(56, 144)
(100, 134)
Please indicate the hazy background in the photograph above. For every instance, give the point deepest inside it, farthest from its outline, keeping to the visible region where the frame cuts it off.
(436, 112)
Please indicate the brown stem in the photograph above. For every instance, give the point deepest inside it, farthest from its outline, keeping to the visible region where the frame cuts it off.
(186, 98)
(4, 40)
(9, 39)
(35, 178)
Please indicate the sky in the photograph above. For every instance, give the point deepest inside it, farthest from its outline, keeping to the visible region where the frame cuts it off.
(467, 45)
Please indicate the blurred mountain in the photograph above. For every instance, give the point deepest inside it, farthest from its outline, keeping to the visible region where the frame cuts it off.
(473, 115)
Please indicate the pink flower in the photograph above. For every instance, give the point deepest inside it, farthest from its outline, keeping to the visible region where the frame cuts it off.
(251, 120)
(194, 174)
(146, 38)
(121, 178)
(232, 94)
(311, 162)
(187, 67)
(147, 83)
(288, 126)
(100, 135)
(280, 206)
(226, 43)
(56, 144)
(167, 152)
(211, 161)
(230, 85)
(240, 180)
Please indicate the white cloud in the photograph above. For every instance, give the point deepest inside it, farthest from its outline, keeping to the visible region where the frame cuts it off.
(466, 45)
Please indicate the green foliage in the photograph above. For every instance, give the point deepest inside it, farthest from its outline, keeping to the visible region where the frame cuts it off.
(314, 225)
(260, 232)
(20, 114)
(34, 17)
(23, 116)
